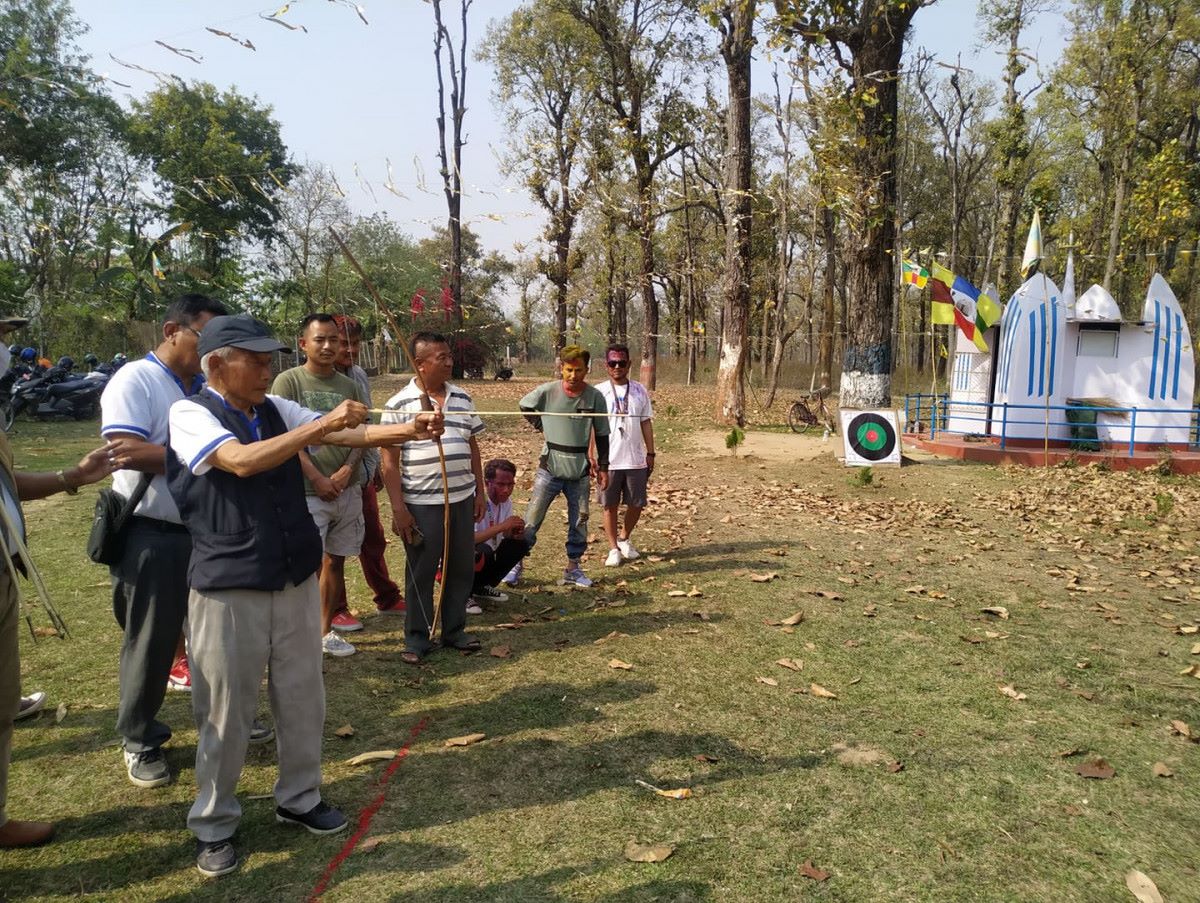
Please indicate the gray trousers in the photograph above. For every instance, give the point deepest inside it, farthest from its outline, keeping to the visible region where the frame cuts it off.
(234, 635)
(150, 602)
(422, 563)
(10, 677)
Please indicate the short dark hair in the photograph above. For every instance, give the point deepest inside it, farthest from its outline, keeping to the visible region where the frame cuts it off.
(489, 469)
(319, 317)
(185, 309)
(616, 346)
(426, 337)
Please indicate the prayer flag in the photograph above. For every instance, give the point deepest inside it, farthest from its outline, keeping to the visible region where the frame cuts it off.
(417, 305)
(155, 268)
(913, 273)
(1032, 260)
(950, 291)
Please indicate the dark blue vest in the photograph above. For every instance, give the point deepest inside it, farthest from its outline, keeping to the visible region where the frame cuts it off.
(247, 532)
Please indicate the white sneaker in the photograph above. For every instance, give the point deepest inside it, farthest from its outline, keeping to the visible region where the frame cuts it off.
(574, 576)
(513, 577)
(628, 552)
(333, 644)
(474, 608)
(614, 558)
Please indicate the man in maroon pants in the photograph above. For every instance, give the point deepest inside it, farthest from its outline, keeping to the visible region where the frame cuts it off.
(388, 598)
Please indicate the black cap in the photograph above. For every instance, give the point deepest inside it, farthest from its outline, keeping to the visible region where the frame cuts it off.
(240, 331)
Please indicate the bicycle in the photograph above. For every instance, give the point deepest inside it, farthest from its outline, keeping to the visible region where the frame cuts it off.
(809, 411)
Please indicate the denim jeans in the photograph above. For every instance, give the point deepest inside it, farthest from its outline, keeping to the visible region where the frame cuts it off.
(545, 489)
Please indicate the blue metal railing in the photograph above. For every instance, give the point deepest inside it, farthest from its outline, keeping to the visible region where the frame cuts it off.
(1005, 418)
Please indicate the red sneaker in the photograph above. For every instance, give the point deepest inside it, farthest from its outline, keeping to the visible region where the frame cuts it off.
(343, 622)
(180, 677)
(396, 608)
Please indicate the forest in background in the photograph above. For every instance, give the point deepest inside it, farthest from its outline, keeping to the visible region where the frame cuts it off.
(760, 234)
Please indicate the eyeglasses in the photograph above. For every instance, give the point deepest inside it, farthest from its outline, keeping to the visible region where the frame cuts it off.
(194, 332)
(618, 363)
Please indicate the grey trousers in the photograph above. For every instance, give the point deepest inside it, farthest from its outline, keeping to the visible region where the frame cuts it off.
(233, 636)
(10, 678)
(422, 563)
(150, 602)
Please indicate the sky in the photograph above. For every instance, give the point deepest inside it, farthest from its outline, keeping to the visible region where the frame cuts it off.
(361, 97)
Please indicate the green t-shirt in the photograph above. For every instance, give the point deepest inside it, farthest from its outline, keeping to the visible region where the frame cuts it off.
(322, 394)
(564, 454)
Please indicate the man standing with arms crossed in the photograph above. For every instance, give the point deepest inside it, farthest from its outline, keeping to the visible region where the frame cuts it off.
(150, 588)
(332, 476)
(373, 559)
(413, 477)
(563, 466)
(630, 452)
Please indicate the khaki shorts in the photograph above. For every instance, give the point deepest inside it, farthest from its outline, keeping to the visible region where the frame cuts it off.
(628, 486)
(340, 522)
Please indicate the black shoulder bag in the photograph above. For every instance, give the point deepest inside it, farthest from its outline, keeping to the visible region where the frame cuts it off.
(106, 542)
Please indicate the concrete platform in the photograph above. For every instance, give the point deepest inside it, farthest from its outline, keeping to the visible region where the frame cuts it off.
(986, 450)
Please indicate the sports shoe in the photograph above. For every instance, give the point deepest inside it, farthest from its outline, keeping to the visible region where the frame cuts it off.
(215, 858)
(260, 732)
(396, 608)
(574, 576)
(473, 607)
(30, 705)
(320, 819)
(147, 769)
(513, 577)
(344, 622)
(614, 558)
(628, 552)
(333, 644)
(489, 594)
(180, 677)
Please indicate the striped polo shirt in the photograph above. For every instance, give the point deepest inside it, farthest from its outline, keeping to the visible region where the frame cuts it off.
(419, 465)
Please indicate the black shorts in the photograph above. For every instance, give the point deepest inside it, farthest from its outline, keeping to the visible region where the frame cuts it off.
(628, 486)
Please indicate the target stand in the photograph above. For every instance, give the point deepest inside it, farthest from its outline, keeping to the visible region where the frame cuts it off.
(870, 438)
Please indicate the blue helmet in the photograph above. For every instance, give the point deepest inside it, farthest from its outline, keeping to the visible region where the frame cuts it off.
(29, 355)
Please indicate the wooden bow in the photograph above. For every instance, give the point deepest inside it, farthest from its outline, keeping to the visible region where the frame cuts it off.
(426, 405)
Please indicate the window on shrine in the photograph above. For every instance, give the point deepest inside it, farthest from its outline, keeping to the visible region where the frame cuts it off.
(1100, 340)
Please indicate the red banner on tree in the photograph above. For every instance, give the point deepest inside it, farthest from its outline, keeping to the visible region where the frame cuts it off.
(447, 301)
(417, 305)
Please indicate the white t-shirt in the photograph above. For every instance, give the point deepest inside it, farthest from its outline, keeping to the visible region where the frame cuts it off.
(137, 400)
(626, 447)
(495, 514)
(196, 433)
(420, 467)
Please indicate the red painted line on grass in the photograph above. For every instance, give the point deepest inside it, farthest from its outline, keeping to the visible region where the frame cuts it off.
(368, 813)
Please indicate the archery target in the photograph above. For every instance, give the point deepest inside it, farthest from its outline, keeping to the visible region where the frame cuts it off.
(870, 437)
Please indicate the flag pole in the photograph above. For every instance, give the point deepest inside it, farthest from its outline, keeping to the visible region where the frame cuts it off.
(1050, 312)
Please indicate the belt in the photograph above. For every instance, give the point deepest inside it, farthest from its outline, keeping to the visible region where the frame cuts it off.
(572, 449)
(162, 526)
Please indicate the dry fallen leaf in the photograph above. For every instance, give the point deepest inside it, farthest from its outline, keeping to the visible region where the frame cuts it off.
(609, 636)
(694, 593)
(820, 692)
(808, 870)
(617, 665)
(1012, 693)
(793, 620)
(647, 852)
(1097, 769)
(376, 755)
(60, 713)
(345, 731)
(45, 631)
(500, 651)
(1142, 888)
(1181, 728)
(764, 578)
(769, 681)
(465, 740)
(998, 611)
(705, 757)
(676, 593)
(370, 845)
(1160, 770)
(681, 793)
(791, 664)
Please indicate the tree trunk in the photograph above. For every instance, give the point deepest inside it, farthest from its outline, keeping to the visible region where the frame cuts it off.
(736, 46)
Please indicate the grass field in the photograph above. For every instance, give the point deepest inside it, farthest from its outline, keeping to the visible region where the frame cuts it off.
(888, 757)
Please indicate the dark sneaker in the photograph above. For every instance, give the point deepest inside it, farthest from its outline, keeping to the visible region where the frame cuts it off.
(489, 594)
(147, 769)
(215, 858)
(261, 733)
(320, 819)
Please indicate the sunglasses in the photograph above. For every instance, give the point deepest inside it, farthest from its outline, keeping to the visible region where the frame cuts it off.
(618, 363)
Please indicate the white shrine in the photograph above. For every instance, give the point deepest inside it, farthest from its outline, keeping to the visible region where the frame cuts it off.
(1050, 347)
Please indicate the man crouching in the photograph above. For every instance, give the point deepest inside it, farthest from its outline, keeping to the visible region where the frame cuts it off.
(254, 603)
